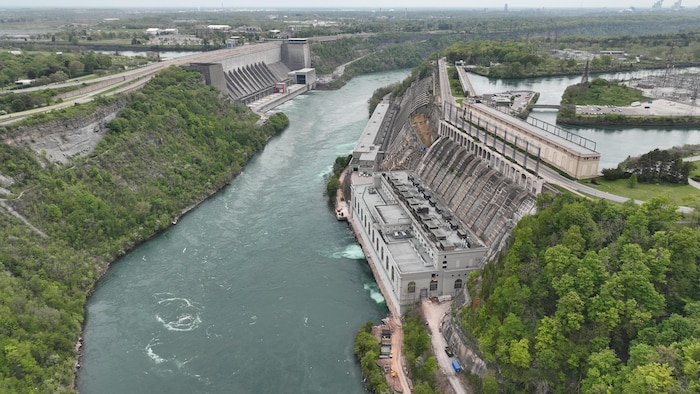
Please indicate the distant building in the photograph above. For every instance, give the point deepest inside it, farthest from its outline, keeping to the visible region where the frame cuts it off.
(152, 31)
(219, 27)
(249, 29)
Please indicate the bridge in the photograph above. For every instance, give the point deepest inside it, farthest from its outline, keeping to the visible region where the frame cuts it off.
(465, 82)
(548, 106)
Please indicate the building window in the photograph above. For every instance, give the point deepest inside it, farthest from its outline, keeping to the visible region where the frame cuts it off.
(458, 284)
(411, 287)
(392, 273)
(433, 285)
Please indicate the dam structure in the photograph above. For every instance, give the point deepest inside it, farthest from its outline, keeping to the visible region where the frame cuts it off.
(426, 215)
(261, 76)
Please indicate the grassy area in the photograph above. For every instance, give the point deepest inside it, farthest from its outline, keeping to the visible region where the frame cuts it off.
(695, 171)
(602, 92)
(646, 191)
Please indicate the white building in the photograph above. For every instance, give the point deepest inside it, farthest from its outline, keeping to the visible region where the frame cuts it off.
(418, 248)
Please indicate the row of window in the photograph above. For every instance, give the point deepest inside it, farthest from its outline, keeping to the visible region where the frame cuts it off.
(433, 285)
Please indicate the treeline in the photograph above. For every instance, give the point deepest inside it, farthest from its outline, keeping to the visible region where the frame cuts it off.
(593, 297)
(396, 56)
(46, 68)
(174, 144)
(600, 91)
(653, 167)
(536, 57)
(341, 162)
(418, 352)
(367, 350)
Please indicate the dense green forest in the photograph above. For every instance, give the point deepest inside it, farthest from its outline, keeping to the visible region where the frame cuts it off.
(175, 143)
(389, 56)
(592, 297)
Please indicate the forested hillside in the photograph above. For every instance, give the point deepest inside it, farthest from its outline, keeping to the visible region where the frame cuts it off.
(174, 144)
(592, 297)
(378, 53)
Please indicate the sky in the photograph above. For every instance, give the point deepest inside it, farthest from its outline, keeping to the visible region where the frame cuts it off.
(372, 4)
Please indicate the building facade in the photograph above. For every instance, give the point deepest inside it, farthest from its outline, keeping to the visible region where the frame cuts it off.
(418, 248)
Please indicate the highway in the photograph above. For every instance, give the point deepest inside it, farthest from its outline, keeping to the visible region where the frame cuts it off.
(131, 79)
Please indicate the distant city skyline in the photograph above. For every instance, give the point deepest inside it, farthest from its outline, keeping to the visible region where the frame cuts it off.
(368, 4)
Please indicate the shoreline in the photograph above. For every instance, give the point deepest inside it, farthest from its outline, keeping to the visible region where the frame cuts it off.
(101, 274)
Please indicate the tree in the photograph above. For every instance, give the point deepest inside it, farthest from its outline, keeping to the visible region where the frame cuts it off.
(75, 68)
(650, 378)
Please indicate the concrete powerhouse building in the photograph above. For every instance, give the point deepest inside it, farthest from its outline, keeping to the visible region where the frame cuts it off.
(416, 245)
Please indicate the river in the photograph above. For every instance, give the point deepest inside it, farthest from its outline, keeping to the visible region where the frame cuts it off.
(260, 289)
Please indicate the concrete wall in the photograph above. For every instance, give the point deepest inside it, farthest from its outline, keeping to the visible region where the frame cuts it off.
(296, 56)
(267, 53)
(213, 75)
(457, 341)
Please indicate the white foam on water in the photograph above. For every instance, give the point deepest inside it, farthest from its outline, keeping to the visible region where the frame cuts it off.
(353, 252)
(151, 354)
(177, 313)
(344, 149)
(374, 293)
(326, 172)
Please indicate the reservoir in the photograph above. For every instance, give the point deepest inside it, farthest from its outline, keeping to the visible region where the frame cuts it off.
(613, 143)
(260, 289)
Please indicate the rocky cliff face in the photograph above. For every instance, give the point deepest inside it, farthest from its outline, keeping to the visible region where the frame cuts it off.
(59, 140)
(406, 142)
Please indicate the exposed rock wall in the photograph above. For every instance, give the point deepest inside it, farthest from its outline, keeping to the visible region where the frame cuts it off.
(468, 358)
(62, 139)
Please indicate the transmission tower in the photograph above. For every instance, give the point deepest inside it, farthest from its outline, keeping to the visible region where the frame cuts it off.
(584, 77)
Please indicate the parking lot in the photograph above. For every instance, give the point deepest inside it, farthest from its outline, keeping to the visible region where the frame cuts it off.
(660, 107)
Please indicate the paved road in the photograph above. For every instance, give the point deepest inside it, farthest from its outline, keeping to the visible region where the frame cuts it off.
(434, 314)
(445, 92)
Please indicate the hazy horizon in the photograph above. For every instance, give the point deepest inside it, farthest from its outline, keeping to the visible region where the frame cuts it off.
(361, 4)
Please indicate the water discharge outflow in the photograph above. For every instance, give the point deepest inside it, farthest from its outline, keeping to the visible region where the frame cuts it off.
(375, 293)
(353, 252)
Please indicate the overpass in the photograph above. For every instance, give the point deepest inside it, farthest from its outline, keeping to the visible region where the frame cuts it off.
(464, 81)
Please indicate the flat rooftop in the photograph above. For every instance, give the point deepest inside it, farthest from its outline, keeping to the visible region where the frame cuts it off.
(369, 134)
(408, 206)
